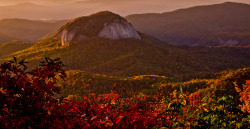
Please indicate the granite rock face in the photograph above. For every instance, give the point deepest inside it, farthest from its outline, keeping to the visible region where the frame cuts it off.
(68, 36)
(118, 29)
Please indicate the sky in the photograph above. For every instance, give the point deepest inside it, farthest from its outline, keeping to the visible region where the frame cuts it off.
(44, 2)
(68, 9)
(13, 2)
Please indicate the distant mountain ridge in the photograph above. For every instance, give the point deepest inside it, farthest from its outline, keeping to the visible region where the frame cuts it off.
(212, 25)
(27, 30)
(69, 9)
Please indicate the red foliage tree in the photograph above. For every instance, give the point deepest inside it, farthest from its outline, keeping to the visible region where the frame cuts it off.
(26, 97)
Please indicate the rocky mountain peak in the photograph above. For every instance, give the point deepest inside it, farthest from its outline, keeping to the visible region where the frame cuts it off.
(103, 24)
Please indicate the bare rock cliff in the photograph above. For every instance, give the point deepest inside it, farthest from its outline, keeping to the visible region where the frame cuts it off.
(68, 35)
(118, 29)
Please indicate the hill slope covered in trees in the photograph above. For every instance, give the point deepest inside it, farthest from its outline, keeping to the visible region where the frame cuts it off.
(128, 57)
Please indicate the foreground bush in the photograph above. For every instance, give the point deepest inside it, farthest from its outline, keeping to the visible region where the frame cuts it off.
(26, 97)
(27, 101)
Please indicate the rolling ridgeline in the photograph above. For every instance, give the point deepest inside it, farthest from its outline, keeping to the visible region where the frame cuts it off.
(211, 25)
(136, 65)
(27, 30)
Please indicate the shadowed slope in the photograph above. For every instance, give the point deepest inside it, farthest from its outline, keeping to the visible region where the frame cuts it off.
(212, 25)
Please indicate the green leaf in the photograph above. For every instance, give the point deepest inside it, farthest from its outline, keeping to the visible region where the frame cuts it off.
(213, 101)
(224, 124)
(239, 125)
(204, 104)
(215, 120)
(234, 116)
(181, 89)
(206, 117)
(245, 119)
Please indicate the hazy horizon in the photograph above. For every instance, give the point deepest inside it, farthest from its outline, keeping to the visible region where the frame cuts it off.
(56, 2)
(68, 9)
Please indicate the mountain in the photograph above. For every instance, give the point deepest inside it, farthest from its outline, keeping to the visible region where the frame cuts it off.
(104, 24)
(126, 7)
(130, 56)
(69, 9)
(5, 38)
(21, 10)
(213, 25)
(27, 30)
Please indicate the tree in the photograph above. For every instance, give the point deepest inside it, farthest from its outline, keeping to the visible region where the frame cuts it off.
(27, 97)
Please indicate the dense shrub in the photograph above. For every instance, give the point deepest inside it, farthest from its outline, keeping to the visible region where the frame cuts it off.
(26, 97)
(27, 100)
